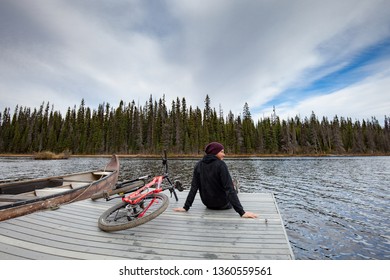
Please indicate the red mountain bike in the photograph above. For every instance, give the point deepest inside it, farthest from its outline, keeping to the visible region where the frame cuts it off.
(142, 204)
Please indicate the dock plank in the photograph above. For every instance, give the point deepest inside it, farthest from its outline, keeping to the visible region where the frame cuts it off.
(71, 232)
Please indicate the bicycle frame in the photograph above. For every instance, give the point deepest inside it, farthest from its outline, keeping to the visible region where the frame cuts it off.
(139, 195)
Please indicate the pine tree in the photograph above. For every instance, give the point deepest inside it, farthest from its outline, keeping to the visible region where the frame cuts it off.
(247, 129)
(150, 129)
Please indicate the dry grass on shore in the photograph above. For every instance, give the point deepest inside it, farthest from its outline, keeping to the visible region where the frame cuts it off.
(46, 155)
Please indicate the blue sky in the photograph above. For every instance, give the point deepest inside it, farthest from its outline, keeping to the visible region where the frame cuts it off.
(327, 57)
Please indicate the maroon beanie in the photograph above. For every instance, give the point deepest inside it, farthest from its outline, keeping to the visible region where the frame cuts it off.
(214, 148)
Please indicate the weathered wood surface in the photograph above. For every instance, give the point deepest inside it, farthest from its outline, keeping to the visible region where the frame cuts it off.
(71, 232)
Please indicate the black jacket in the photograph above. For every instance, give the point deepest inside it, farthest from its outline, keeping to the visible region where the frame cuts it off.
(212, 178)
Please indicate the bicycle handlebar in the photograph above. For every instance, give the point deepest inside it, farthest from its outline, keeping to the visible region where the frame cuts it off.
(165, 162)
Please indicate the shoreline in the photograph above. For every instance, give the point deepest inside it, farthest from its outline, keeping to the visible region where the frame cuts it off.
(229, 156)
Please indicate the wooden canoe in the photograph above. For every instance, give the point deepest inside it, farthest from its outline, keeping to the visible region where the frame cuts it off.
(25, 197)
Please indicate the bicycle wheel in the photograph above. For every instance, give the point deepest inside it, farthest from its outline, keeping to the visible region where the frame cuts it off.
(123, 215)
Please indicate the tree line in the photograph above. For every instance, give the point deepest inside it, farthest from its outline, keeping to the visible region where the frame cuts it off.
(182, 129)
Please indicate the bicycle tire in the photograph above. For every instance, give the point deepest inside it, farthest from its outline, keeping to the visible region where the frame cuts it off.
(109, 223)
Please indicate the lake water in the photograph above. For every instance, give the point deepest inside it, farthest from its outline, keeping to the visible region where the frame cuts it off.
(332, 207)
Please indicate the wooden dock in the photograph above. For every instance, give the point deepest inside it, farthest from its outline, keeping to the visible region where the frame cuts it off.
(71, 232)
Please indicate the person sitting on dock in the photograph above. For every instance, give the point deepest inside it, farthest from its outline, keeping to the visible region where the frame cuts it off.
(212, 178)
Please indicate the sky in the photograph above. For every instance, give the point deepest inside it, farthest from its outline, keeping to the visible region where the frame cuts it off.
(328, 57)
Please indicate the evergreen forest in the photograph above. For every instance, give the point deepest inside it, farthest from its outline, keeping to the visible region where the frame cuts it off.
(183, 130)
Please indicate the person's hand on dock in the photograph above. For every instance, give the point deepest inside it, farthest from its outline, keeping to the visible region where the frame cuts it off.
(180, 209)
(249, 215)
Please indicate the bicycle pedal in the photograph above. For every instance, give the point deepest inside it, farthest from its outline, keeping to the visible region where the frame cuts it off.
(106, 196)
(179, 186)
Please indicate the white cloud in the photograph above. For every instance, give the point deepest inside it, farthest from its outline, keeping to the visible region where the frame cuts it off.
(363, 100)
(234, 51)
(252, 51)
